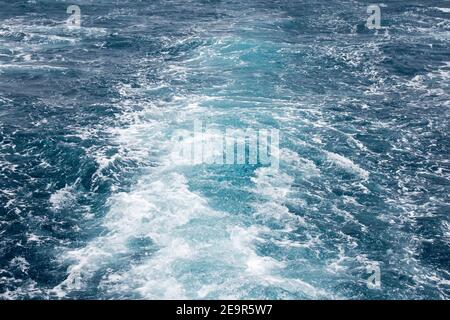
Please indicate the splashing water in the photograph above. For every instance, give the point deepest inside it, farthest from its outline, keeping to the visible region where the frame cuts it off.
(93, 205)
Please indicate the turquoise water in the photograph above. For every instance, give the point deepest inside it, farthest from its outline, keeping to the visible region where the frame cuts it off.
(93, 206)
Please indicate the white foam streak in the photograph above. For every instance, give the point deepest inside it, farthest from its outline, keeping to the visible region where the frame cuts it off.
(347, 164)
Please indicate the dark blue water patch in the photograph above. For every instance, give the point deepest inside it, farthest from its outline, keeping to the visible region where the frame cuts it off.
(412, 59)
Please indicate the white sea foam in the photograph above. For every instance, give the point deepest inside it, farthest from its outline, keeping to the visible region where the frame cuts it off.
(176, 225)
(347, 164)
(184, 230)
(446, 10)
(62, 198)
(20, 263)
(446, 230)
(197, 251)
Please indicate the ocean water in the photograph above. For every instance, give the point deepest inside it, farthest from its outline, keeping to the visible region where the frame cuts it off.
(92, 205)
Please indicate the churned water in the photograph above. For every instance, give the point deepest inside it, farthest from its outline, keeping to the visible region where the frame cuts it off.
(93, 206)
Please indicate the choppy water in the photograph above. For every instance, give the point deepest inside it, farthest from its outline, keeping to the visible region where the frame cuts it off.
(92, 207)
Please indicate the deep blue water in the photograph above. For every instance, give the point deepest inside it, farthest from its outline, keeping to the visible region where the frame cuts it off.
(91, 206)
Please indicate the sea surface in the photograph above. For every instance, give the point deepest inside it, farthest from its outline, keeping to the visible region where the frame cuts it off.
(92, 205)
